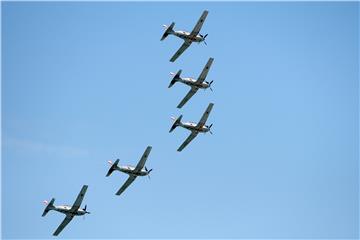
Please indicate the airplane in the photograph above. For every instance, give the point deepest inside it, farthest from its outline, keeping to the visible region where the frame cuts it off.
(195, 84)
(133, 172)
(69, 211)
(193, 127)
(188, 38)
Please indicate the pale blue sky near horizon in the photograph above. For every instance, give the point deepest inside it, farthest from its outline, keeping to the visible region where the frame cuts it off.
(83, 83)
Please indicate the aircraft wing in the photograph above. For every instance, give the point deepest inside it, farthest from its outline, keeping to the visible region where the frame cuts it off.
(126, 184)
(205, 115)
(199, 24)
(192, 91)
(188, 140)
(205, 71)
(63, 224)
(79, 199)
(143, 159)
(183, 47)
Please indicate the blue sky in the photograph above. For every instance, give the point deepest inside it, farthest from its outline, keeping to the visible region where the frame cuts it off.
(83, 83)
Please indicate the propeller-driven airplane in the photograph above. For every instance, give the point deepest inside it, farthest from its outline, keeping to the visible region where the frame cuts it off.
(193, 127)
(188, 38)
(69, 211)
(195, 84)
(133, 172)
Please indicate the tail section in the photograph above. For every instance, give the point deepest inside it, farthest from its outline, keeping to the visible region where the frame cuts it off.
(49, 206)
(169, 30)
(113, 167)
(175, 78)
(176, 123)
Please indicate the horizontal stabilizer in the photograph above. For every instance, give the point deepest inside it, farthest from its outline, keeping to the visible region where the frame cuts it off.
(113, 167)
(175, 78)
(176, 123)
(49, 207)
(168, 31)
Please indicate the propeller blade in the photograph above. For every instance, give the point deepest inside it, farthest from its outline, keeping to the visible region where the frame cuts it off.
(210, 126)
(205, 43)
(205, 36)
(146, 169)
(210, 132)
(85, 207)
(148, 172)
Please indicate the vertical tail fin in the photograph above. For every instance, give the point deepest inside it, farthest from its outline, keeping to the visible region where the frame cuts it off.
(175, 78)
(176, 123)
(169, 30)
(113, 167)
(49, 206)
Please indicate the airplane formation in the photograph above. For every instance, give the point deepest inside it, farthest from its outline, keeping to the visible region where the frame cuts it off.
(195, 128)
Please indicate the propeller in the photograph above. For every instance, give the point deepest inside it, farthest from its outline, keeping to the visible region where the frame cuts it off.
(209, 127)
(209, 83)
(148, 171)
(203, 37)
(85, 209)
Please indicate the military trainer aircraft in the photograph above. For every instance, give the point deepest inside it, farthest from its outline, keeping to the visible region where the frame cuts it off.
(69, 211)
(195, 84)
(133, 172)
(188, 38)
(193, 127)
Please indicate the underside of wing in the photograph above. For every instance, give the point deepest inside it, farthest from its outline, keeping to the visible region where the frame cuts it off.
(143, 159)
(192, 91)
(187, 141)
(199, 24)
(79, 198)
(205, 115)
(205, 71)
(183, 47)
(63, 224)
(126, 184)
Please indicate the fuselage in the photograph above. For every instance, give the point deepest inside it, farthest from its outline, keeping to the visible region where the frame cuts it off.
(192, 82)
(67, 210)
(186, 36)
(193, 127)
(131, 170)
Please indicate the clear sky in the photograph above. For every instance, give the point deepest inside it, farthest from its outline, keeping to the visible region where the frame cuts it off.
(83, 83)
